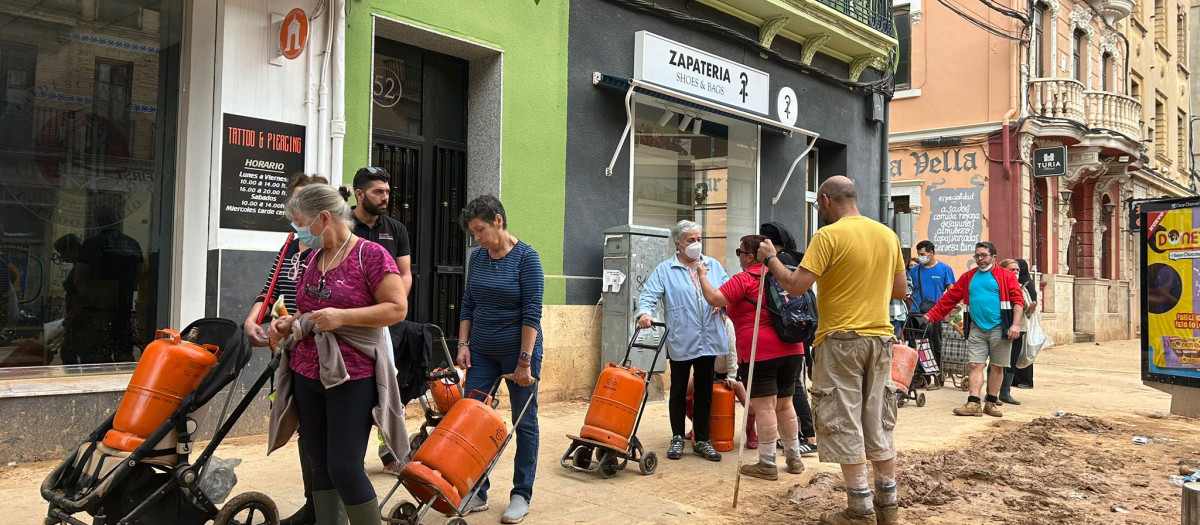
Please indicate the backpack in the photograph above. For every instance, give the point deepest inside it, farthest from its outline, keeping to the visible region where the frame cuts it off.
(794, 317)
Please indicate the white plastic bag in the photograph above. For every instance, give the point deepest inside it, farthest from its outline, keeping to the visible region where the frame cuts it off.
(1035, 341)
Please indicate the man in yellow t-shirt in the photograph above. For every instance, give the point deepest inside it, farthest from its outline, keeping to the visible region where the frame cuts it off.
(859, 268)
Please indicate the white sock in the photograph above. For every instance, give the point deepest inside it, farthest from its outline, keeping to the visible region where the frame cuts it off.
(767, 435)
(886, 493)
(791, 447)
(859, 500)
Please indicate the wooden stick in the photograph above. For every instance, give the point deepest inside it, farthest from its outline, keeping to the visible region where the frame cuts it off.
(737, 480)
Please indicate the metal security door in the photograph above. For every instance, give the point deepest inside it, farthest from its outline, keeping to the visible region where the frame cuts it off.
(428, 163)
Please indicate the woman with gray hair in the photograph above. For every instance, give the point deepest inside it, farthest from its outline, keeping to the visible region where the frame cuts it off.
(338, 379)
(696, 333)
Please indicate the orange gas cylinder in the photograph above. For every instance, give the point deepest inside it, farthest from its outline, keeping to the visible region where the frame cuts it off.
(721, 425)
(169, 370)
(456, 454)
(904, 363)
(443, 391)
(615, 405)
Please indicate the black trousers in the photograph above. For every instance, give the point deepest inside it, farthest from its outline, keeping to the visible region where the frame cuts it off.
(800, 402)
(701, 370)
(335, 426)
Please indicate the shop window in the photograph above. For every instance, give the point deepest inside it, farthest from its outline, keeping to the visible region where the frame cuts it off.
(1106, 217)
(1041, 228)
(121, 13)
(111, 99)
(18, 69)
(904, 38)
(690, 164)
(81, 179)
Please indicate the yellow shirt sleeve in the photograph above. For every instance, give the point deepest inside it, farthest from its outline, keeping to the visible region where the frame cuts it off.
(819, 254)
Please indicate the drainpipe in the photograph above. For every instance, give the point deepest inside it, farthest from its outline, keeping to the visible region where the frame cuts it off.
(337, 122)
(885, 173)
(323, 100)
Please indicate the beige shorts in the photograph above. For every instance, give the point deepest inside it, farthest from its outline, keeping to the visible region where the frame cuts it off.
(854, 423)
(984, 345)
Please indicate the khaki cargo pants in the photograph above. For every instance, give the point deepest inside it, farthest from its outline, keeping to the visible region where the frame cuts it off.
(854, 401)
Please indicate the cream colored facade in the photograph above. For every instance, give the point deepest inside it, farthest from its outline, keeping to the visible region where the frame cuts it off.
(1065, 78)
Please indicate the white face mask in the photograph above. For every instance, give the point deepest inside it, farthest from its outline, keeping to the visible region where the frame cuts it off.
(67, 266)
(693, 250)
(923, 260)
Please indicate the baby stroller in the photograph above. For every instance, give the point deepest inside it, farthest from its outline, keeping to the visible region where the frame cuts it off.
(445, 387)
(157, 482)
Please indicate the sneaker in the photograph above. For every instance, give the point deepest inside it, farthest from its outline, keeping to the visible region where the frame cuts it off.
(991, 410)
(971, 408)
(807, 449)
(675, 451)
(705, 450)
(1023, 386)
(477, 504)
(761, 470)
(1009, 400)
(393, 468)
(847, 517)
(795, 465)
(887, 515)
(516, 511)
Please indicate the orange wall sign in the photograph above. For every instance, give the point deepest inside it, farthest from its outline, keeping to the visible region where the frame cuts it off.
(293, 33)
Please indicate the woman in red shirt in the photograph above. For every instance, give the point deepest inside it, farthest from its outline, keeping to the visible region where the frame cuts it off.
(776, 363)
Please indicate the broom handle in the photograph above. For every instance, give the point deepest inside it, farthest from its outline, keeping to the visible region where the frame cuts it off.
(737, 480)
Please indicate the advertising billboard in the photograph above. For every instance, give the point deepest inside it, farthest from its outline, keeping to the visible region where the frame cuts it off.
(1170, 246)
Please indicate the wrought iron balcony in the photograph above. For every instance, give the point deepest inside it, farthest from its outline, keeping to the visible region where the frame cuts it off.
(875, 14)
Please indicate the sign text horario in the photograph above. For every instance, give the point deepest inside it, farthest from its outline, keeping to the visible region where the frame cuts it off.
(695, 72)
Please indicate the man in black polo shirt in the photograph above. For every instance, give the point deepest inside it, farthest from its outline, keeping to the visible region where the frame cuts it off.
(372, 190)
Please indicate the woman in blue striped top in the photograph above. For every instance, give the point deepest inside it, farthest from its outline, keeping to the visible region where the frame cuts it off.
(500, 332)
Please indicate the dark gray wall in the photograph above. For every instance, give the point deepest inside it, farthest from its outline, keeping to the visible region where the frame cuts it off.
(235, 277)
(601, 40)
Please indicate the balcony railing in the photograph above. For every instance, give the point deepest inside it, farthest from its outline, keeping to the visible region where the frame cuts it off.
(1057, 98)
(875, 14)
(1113, 111)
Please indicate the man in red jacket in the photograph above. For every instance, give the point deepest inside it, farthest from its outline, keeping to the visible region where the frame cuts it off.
(992, 301)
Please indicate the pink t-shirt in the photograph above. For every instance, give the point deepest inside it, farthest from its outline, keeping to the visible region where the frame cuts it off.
(737, 290)
(349, 289)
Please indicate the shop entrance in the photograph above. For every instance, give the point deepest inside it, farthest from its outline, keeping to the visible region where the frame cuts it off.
(419, 135)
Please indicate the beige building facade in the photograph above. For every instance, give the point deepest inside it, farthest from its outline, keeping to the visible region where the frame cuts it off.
(978, 91)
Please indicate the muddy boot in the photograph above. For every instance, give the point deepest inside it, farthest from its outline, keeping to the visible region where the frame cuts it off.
(970, 409)
(887, 515)
(847, 517)
(304, 516)
(991, 410)
(761, 470)
(795, 466)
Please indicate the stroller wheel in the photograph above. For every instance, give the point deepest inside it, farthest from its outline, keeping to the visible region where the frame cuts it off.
(457, 521)
(404, 513)
(920, 400)
(248, 508)
(648, 463)
(582, 458)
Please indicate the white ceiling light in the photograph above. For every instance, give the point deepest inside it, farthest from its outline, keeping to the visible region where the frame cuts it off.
(683, 123)
(696, 126)
(667, 116)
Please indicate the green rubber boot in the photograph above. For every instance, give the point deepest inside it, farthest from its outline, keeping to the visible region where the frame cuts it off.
(364, 513)
(327, 505)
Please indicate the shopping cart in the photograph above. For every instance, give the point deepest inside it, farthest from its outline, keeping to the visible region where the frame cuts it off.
(955, 363)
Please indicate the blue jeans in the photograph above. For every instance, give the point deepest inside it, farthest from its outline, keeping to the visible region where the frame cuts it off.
(483, 373)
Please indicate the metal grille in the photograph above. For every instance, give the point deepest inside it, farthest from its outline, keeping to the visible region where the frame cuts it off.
(875, 14)
(450, 178)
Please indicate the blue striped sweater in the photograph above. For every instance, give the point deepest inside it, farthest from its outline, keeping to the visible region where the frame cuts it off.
(501, 296)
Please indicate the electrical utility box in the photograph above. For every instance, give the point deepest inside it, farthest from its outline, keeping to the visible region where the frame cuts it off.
(630, 254)
(905, 224)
